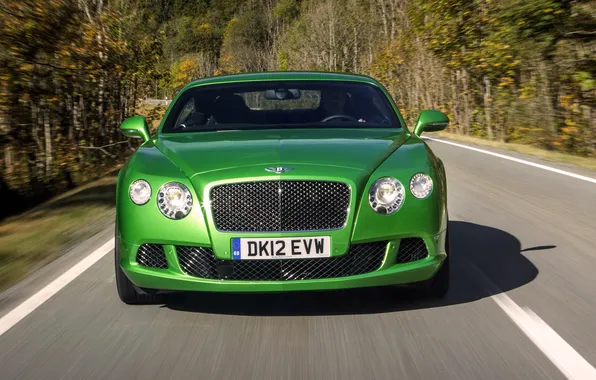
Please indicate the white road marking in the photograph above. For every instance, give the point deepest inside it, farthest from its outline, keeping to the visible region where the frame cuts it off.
(28, 306)
(567, 360)
(529, 163)
(560, 353)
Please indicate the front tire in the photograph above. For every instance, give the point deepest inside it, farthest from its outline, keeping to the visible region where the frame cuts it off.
(127, 291)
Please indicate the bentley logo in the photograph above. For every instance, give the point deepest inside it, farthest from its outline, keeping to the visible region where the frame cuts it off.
(278, 169)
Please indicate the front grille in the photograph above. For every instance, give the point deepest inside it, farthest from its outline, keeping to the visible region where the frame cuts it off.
(277, 206)
(411, 249)
(360, 259)
(152, 256)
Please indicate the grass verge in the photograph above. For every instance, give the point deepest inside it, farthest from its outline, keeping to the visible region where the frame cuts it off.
(35, 238)
(547, 155)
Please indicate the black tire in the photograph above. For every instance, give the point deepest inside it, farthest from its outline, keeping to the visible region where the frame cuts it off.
(127, 291)
(438, 286)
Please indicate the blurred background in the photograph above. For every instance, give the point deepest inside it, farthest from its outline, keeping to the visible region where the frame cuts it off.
(509, 71)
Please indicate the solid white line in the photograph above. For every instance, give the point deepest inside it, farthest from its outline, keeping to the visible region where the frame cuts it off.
(529, 163)
(18, 313)
(560, 353)
(567, 360)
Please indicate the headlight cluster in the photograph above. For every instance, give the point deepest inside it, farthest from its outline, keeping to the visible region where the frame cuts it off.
(421, 185)
(140, 192)
(174, 200)
(387, 194)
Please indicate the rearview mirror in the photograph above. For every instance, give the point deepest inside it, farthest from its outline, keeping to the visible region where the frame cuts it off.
(281, 94)
(136, 127)
(431, 121)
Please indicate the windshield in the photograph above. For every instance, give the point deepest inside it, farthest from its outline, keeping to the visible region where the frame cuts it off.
(291, 104)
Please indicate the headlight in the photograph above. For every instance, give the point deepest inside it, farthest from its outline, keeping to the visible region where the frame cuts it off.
(140, 192)
(174, 200)
(421, 185)
(386, 195)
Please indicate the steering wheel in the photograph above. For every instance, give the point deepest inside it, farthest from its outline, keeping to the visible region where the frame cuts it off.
(338, 116)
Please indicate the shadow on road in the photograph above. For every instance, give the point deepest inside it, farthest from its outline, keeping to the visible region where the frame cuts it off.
(475, 249)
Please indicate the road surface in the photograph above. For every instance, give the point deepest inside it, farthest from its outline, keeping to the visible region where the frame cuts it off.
(522, 304)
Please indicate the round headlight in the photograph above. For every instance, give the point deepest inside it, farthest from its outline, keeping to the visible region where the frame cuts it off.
(421, 185)
(174, 200)
(140, 192)
(386, 195)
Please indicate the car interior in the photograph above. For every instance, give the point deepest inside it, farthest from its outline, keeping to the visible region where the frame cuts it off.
(209, 109)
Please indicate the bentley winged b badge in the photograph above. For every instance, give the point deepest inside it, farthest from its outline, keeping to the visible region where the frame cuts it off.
(278, 169)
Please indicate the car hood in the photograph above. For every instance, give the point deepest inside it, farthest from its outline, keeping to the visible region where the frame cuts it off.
(200, 153)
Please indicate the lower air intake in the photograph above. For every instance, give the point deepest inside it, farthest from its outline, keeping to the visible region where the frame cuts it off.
(152, 256)
(411, 249)
(360, 259)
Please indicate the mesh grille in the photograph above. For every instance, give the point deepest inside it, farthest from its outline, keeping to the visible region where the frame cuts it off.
(361, 258)
(271, 206)
(411, 249)
(152, 256)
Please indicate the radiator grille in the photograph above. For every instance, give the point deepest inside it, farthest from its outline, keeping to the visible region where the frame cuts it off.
(277, 206)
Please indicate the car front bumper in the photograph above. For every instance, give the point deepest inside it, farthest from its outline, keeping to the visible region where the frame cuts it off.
(389, 273)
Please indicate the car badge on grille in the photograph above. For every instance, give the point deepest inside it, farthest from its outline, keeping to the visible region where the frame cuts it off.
(278, 169)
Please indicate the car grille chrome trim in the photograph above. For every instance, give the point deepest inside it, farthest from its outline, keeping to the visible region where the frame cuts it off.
(280, 206)
(411, 249)
(360, 259)
(152, 256)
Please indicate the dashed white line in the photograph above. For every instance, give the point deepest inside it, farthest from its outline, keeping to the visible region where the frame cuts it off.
(561, 354)
(529, 163)
(567, 360)
(28, 306)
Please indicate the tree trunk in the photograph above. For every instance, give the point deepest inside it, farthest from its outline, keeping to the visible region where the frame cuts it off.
(467, 109)
(48, 142)
(456, 102)
(355, 63)
(384, 18)
(83, 114)
(102, 54)
(76, 117)
(8, 164)
(134, 94)
(35, 122)
(487, 107)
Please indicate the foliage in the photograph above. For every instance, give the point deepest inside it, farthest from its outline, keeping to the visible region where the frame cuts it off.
(72, 70)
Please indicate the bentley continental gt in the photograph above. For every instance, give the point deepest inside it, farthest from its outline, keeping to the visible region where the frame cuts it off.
(281, 181)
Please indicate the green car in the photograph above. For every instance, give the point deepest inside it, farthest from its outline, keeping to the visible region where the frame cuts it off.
(284, 181)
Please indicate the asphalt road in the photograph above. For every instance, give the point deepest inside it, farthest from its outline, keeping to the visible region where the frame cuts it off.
(524, 270)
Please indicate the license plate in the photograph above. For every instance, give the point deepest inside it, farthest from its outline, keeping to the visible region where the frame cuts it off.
(281, 248)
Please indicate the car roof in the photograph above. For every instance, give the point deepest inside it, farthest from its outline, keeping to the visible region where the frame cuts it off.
(282, 76)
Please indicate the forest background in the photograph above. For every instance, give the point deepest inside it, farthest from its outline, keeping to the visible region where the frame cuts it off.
(513, 71)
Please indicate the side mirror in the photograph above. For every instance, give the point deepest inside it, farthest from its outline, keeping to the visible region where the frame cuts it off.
(431, 121)
(136, 127)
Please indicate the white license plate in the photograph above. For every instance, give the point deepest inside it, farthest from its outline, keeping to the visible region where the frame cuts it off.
(281, 248)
